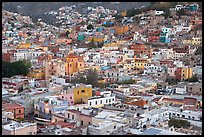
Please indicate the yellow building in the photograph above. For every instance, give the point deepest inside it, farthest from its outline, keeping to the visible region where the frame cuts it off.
(82, 93)
(44, 48)
(73, 64)
(140, 63)
(184, 73)
(95, 39)
(196, 41)
(187, 73)
(38, 73)
(111, 45)
(24, 46)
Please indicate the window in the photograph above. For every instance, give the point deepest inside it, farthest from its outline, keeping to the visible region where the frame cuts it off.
(183, 116)
(178, 115)
(96, 102)
(70, 97)
(106, 100)
(83, 91)
(72, 116)
(19, 111)
(90, 103)
(113, 99)
(68, 115)
(109, 100)
(82, 123)
(89, 123)
(114, 127)
(78, 92)
(70, 65)
(101, 101)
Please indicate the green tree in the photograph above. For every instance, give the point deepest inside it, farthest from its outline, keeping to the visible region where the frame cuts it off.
(90, 26)
(171, 81)
(89, 77)
(178, 123)
(194, 78)
(92, 77)
(15, 68)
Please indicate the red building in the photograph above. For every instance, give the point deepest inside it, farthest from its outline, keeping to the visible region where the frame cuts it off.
(6, 57)
(16, 109)
(140, 48)
(184, 49)
(153, 38)
(166, 62)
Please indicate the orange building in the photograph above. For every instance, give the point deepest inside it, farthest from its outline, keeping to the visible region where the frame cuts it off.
(16, 109)
(73, 64)
(121, 29)
(142, 49)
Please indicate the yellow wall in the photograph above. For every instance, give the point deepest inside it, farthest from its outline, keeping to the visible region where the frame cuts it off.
(37, 73)
(111, 45)
(73, 65)
(95, 39)
(196, 41)
(27, 45)
(140, 65)
(187, 73)
(44, 48)
(78, 95)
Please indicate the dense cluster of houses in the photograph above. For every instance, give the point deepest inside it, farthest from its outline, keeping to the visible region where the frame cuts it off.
(45, 102)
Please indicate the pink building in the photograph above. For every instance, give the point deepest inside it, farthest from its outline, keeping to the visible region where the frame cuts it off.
(69, 96)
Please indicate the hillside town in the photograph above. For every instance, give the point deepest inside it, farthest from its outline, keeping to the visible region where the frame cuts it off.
(103, 72)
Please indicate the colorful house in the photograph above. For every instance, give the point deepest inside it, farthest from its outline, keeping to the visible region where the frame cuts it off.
(140, 63)
(183, 73)
(38, 73)
(121, 29)
(73, 63)
(16, 109)
(82, 93)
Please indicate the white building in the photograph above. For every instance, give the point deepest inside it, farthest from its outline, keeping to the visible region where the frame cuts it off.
(16, 128)
(105, 98)
(153, 69)
(104, 128)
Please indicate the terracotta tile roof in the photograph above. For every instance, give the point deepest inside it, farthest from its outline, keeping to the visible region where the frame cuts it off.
(172, 99)
(63, 124)
(8, 106)
(71, 55)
